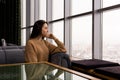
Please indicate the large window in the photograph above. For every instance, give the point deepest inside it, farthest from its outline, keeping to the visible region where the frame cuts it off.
(82, 37)
(58, 30)
(111, 32)
(80, 6)
(75, 22)
(57, 9)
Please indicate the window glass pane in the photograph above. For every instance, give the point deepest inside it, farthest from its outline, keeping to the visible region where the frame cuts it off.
(111, 32)
(107, 3)
(80, 6)
(82, 37)
(58, 8)
(42, 9)
(23, 37)
(58, 30)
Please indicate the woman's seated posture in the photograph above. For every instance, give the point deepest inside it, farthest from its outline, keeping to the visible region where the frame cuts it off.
(38, 49)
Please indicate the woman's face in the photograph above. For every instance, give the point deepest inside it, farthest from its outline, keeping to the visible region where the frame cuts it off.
(45, 30)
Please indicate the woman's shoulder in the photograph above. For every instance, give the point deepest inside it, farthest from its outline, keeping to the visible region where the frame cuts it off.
(30, 41)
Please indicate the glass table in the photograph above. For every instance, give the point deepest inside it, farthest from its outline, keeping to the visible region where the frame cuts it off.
(40, 71)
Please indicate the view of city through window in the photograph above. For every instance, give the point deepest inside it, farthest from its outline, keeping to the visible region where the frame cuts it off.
(81, 30)
(111, 32)
(82, 37)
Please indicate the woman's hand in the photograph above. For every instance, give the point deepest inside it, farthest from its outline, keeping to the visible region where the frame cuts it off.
(51, 36)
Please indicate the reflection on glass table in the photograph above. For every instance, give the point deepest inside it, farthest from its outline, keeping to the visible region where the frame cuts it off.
(40, 71)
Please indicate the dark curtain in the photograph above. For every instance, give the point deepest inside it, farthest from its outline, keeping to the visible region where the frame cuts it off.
(10, 21)
(10, 31)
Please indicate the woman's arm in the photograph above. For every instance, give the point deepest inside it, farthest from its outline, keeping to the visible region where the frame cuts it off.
(30, 55)
(52, 48)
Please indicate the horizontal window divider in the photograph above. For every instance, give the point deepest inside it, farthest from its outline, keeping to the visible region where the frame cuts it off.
(27, 27)
(56, 20)
(108, 8)
(78, 15)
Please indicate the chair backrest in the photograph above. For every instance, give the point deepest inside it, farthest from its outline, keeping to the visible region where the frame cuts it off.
(0, 48)
(9, 47)
(21, 47)
(14, 56)
(2, 57)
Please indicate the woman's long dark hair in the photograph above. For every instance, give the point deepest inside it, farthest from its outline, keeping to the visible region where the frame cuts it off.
(37, 28)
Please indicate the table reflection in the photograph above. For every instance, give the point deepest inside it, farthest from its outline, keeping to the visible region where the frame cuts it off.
(40, 71)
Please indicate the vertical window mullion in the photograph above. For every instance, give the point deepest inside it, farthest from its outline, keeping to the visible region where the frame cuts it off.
(67, 32)
(32, 12)
(49, 14)
(67, 25)
(49, 10)
(97, 31)
(28, 18)
(36, 10)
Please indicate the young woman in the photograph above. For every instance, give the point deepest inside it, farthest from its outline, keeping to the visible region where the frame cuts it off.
(38, 49)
